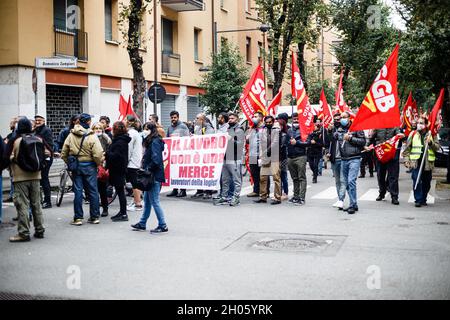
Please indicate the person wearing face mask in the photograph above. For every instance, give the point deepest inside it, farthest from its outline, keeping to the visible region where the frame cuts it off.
(387, 173)
(202, 127)
(232, 165)
(414, 155)
(102, 186)
(297, 161)
(314, 153)
(334, 155)
(269, 161)
(350, 146)
(254, 141)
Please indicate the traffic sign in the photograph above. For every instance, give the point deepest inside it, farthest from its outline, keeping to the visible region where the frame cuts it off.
(158, 91)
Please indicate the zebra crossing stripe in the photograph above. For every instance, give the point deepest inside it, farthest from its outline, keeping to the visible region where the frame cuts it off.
(329, 193)
(370, 195)
(430, 198)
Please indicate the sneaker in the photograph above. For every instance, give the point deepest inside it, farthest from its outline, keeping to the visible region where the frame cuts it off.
(221, 201)
(339, 204)
(314, 180)
(46, 205)
(395, 201)
(293, 200)
(234, 202)
(260, 201)
(39, 235)
(138, 207)
(351, 210)
(120, 218)
(252, 195)
(301, 202)
(284, 197)
(77, 222)
(138, 227)
(159, 230)
(274, 202)
(93, 220)
(417, 205)
(19, 238)
(131, 207)
(380, 197)
(174, 193)
(104, 213)
(197, 195)
(182, 194)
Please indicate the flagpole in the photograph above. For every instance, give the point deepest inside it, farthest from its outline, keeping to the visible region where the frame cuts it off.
(422, 163)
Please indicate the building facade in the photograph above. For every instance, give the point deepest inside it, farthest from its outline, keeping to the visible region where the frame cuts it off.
(89, 30)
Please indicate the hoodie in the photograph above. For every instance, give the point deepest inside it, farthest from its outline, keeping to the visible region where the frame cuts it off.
(91, 150)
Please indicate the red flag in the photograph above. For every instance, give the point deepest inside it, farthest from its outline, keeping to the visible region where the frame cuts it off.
(435, 118)
(272, 109)
(385, 151)
(253, 98)
(409, 114)
(341, 105)
(305, 112)
(123, 108)
(380, 108)
(325, 112)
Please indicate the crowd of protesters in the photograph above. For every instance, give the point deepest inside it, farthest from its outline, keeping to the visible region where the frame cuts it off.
(270, 148)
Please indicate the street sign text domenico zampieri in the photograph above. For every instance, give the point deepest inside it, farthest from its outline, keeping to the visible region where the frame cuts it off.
(56, 62)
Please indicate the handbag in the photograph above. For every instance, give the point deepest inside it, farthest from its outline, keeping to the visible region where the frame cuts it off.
(145, 179)
(103, 174)
(72, 161)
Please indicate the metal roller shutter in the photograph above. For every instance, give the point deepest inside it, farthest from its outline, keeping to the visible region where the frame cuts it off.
(167, 106)
(193, 108)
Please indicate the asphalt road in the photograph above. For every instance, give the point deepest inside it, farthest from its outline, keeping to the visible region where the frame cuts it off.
(254, 251)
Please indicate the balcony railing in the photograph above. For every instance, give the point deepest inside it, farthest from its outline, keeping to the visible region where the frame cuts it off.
(72, 44)
(183, 5)
(171, 64)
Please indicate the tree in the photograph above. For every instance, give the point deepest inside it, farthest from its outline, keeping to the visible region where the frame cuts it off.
(367, 40)
(130, 20)
(224, 82)
(426, 48)
(315, 85)
(292, 22)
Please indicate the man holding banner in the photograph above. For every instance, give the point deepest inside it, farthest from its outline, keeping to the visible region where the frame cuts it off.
(387, 172)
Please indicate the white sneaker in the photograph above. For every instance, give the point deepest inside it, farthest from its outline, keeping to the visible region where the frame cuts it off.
(335, 205)
(340, 204)
(131, 207)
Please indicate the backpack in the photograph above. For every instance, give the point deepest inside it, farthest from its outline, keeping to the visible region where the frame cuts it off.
(31, 156)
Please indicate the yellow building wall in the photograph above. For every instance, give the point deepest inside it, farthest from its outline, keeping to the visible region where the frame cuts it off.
(9, 32)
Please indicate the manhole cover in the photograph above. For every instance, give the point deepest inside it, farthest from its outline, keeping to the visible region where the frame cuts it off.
(321, 244)
(408, 218)
(403, 225)
(442, 223)
(7, 225)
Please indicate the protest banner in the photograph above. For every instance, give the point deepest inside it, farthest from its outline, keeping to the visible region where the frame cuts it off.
(194, 162)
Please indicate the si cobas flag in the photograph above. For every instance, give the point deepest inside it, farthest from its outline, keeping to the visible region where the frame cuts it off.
(380, 108)
(253, 98)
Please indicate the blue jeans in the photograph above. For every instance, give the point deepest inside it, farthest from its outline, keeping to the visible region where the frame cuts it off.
(340, 186)
(349, 174)
(284, 182)
(86, 176)
(151, 198)
(423, 187)
(320, 166)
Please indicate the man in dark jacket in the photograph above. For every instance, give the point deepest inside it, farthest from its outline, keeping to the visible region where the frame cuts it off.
(334, 155)
(46, 134)
(297, 161)
(232, 165)
(314, 153)
(391, 168)
(350, 146)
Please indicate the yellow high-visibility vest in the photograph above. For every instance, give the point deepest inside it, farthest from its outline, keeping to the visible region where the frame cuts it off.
(416, 149)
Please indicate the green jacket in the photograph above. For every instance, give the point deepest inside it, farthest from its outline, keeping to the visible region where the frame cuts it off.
(91, 150)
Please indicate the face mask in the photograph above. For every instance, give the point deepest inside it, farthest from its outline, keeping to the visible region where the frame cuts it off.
(344, 122)
(255, 121)
(337, 123)
(269, 126)
(295, 125)
(420, 126)
(145, 133)
(99, 134)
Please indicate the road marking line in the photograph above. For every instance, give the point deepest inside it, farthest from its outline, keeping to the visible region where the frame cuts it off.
(370, 195)
(329, 193)
(430, 198)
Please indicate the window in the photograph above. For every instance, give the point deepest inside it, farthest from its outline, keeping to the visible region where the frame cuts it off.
(167, 36)
(63, 15)
(248, 4)
(248, 50)
(108, 20)
(196, 44)
(260, 51)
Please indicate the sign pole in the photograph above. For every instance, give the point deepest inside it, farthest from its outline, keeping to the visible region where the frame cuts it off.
(155, 55)
(34, 86)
